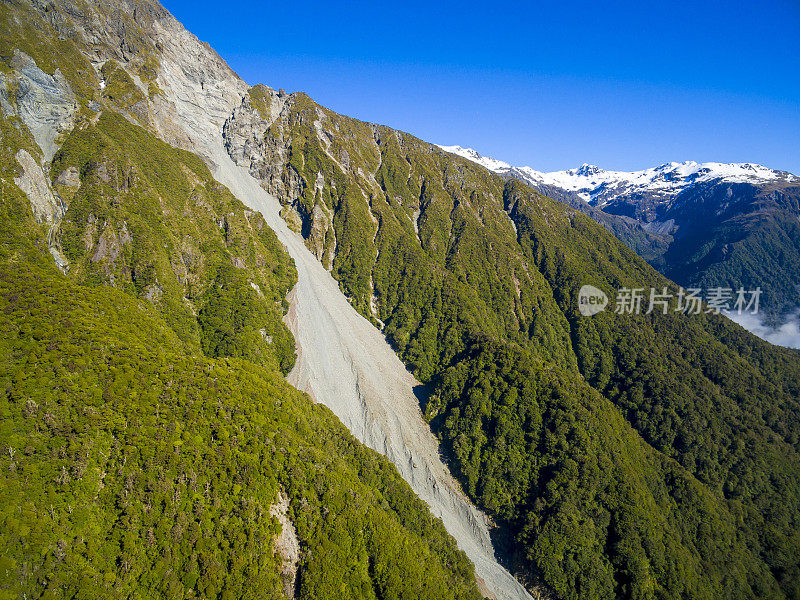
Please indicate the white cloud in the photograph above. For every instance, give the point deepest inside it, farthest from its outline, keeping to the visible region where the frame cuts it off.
(786, 334)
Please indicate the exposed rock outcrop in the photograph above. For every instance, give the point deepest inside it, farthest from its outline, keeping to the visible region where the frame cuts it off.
(47, 206)
(286, 544)
(45, 103)
(265, 158)
(34, 184)
(69, 178)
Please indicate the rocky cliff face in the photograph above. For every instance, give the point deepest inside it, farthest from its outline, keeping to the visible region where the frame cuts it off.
(44, 102)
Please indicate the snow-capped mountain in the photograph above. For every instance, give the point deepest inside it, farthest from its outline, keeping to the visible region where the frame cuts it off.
(599, 187)
(490, 163)
(701, 224)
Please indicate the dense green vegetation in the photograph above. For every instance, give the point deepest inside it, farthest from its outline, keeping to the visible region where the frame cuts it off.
(731, 420)
(132, 467)
(150, 219)
(651, 456)
(136, 465)
(597, 511)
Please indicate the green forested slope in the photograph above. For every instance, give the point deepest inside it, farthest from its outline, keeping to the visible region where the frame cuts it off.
(145, 435)
(595, 511)
(132, 467)
(625, 456)
(461, 273)
(723, 403)
(151, 220)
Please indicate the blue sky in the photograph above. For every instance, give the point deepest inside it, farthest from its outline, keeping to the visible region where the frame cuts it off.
(623, 85)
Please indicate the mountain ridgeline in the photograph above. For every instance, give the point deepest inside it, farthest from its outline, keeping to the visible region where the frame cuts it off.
(637, 456)
(152, 448)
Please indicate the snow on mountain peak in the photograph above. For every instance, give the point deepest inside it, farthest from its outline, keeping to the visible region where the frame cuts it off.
(470, 154)
(587, 170)
(667, 180)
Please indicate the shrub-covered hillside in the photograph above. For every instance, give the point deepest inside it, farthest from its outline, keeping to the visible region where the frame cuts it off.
(631, 456)
(151, 220)
(146, 430)
(133, 467)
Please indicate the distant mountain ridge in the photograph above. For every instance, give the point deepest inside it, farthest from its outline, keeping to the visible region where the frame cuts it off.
(600, 187)
(701, 224)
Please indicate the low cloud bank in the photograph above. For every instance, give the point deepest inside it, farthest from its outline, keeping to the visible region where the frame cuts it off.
(786, 334)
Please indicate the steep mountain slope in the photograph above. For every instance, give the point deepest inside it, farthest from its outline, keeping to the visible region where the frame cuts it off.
(701, 224)
(130, 212)
(347, 365)
(473, 280)
(623, 456)
(133, 464)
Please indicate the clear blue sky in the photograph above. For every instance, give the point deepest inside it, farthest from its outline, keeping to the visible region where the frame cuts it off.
(623, 85)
